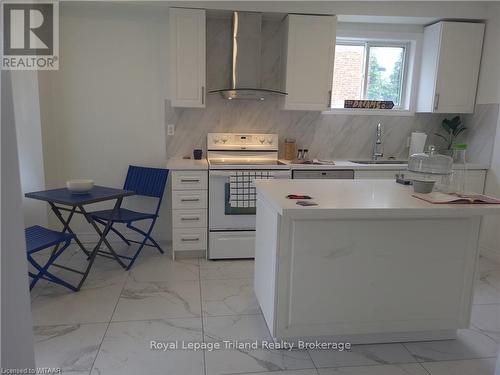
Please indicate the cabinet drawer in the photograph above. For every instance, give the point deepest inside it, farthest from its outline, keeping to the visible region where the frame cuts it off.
(189, 180)
(189, 218)
(189, 199)
(189, 239)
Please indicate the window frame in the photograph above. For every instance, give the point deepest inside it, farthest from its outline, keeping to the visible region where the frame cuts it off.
(368, 43)
(411, 34)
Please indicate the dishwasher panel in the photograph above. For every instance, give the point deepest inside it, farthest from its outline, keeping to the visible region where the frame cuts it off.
(339, 174)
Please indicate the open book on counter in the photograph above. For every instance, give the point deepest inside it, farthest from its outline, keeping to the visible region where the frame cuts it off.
(456, 198)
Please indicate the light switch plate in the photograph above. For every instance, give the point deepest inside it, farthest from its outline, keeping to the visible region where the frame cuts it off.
(170, 129)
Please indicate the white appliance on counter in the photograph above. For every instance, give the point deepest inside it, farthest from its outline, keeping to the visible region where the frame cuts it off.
(235, 161)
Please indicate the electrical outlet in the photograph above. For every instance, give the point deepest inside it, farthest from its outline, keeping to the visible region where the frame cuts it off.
(170, 129)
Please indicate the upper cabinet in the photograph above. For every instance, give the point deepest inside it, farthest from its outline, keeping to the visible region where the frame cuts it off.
(187, 57)
(451, 57)
(309, 48)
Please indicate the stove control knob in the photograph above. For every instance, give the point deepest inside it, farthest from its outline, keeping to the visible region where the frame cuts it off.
(216, 140)
(261, 140)
(224, 139)
(270, 140)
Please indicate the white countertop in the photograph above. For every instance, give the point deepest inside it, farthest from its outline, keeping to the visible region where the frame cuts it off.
(191, 164)
(346, 164)
(357, 199)
(187, 164)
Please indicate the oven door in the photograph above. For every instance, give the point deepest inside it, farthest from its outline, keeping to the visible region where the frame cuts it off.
(221, 215)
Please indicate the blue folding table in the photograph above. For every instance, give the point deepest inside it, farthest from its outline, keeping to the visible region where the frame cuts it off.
(64, 200)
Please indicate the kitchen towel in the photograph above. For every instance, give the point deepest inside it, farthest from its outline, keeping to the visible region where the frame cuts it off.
(242, 187)
(417, 143)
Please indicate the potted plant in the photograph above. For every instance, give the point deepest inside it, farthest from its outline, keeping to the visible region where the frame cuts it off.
(453, 129)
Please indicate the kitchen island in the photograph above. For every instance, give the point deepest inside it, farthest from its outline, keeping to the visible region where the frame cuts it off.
(369, 264)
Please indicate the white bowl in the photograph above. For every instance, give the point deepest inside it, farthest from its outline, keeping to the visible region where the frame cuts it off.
(80, 185)
(423, 186)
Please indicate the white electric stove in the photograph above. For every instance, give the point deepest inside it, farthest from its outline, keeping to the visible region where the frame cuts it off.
(235, 161)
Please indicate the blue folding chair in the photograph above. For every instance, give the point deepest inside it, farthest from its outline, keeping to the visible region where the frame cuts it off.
(149, 182)
(39, 238)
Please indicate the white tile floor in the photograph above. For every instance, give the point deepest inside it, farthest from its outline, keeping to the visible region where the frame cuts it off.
(106, 328)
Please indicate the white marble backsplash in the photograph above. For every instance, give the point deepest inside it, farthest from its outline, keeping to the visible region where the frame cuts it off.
(480, 133)
(327, 136)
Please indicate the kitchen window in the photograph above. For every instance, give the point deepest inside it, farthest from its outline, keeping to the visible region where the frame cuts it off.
(370, 70)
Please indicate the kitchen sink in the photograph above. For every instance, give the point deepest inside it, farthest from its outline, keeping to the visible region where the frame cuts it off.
(379, 161)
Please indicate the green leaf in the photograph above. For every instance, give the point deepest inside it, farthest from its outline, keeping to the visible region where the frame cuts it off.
(455, 123)
(459, 131)
(446, 126)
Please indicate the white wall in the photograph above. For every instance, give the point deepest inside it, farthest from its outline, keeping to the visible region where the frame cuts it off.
(16, 326)
(29, 143)
(106, 105)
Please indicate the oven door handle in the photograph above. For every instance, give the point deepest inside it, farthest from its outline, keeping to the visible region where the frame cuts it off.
(278, 173)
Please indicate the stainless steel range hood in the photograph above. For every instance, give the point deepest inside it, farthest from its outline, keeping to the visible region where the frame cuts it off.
(246, 59)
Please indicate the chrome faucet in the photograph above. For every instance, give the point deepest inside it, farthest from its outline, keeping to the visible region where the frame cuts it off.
(377, 143)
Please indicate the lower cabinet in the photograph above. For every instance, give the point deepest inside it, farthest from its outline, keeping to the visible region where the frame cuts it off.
(189, 211)
(474, 179)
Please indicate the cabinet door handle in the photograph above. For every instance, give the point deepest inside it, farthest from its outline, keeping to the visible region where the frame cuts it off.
(190, 199)
(329, 99)
(436, 101)
(202, 94)
(190, 239)
(190, 218)
(190, 180)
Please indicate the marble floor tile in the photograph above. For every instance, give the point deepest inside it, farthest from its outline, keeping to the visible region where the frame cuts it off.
(361, 355)
(492, 278)
(157, 300)
(94, 303)
(258, 360)
(403, 369)
(486, 318)
(488, 272)
(68, 347)
(126, 348)
(465, 367)
(285, 372)
(485, 265)
(240, 327)
(226, 269)
(162, 268)
(485, 294)
(469, 344)
(228, 297)
(245, 329)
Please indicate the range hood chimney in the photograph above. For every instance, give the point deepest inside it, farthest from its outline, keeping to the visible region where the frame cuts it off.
(246, 59)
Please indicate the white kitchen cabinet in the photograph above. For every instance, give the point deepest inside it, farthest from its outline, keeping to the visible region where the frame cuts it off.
(189, 211)
(450, 67)
(187, 57)
(309, 48)
(474, 178)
